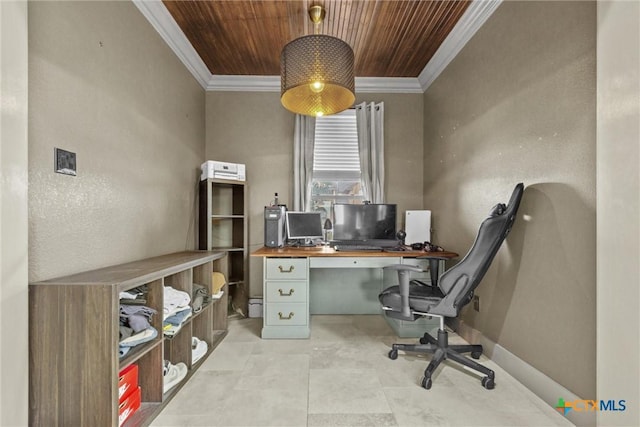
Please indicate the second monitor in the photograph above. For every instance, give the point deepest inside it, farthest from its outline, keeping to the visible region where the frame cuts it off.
(304, 227)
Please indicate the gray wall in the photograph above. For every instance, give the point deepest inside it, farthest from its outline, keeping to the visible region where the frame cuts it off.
(619, 209)
(518, 105)
(103, 84)
(253, 128)
(14, 317)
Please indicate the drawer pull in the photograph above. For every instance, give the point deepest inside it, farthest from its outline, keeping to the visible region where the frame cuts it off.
(282, 270)
(285, 318)
(282, 294)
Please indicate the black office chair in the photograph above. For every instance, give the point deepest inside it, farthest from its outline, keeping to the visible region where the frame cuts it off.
(445, 297)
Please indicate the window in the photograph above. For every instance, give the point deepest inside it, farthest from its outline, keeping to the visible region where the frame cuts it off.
(336, 162)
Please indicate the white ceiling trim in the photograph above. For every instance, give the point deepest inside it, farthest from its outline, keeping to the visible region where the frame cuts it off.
(388, 85)
(470, 22)
(220, 83)
(162, 21)
(160, 18)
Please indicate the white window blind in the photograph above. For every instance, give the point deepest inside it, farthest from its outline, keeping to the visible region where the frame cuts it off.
(336, 146)
(336, 162)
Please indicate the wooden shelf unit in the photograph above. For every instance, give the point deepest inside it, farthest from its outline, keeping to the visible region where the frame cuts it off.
(223, 226)
(74, 334)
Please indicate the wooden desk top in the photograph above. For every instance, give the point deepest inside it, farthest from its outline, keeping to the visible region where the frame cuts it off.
(327, 251)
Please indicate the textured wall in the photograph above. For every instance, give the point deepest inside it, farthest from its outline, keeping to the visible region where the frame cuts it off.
(14, 319)
(253, 128)
(103, 84)
(619, 209)
(518, 105)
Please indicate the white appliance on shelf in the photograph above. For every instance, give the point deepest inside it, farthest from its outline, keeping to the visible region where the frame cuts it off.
(222, 170)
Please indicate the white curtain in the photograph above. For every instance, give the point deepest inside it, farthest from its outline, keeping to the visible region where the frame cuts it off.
(370, 123)
(303, 139)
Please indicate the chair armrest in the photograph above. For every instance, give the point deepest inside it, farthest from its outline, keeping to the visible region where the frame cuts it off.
(435, 257)
(404, 267)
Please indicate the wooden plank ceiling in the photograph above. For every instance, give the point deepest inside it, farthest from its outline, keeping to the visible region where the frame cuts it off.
(390, 38)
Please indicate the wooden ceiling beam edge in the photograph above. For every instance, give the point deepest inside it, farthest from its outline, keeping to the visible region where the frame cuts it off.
(161, 20)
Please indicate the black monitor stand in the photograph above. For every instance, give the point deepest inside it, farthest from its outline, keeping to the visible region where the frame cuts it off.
(303, 243)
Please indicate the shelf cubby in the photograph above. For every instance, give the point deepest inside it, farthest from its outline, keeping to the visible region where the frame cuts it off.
(223, 227)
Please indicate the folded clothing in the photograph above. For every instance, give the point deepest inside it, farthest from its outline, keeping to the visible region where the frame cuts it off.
(137, 317)
(135, 296)
(173, 323)
(125, 332)
(127, 341)
(170, 330)
(179, 317)
(139, 338)
(200, 297)
(174, 301)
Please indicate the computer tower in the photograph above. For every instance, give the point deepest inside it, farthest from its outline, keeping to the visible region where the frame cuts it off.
(274, 226)
(417, 226)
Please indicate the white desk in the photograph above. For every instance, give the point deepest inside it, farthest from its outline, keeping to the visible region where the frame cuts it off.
(298, 282)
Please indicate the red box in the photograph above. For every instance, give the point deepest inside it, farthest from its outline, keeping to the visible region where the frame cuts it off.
(127, 382)
(129, 406)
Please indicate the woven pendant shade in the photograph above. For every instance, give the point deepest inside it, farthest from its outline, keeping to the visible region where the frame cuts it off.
(317, 75)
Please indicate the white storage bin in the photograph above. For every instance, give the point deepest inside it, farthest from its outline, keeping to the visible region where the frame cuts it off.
(255, 307)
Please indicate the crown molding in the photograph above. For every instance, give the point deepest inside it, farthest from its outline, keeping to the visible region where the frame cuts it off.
(162, 21)
(219, 83)
(388, 85)
(473, 18)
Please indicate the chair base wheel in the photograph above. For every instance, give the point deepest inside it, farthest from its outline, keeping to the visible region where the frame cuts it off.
(476, 355)
(393, 354)
(426, 383)
(488, 383)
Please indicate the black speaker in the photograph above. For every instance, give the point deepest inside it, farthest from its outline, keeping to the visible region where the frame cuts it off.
(274, 231)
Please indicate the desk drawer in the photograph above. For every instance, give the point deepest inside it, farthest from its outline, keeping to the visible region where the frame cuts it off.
(286, 291)
(352, 262)
(286, 268)
(286, 314)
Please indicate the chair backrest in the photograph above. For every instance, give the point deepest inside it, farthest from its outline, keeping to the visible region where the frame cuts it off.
(459, 282)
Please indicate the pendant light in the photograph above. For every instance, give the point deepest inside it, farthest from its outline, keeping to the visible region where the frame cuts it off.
(317, 72)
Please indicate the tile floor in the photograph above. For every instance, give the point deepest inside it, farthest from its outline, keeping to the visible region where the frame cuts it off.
(342, 376)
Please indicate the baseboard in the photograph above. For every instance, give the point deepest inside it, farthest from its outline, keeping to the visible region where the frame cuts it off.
(540, 384)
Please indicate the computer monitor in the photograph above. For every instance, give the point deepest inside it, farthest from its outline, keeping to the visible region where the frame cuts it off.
(303, 227)
(364, 222)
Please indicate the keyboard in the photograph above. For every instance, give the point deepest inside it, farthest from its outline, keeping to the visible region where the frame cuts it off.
(396, 249)
(357, 248)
